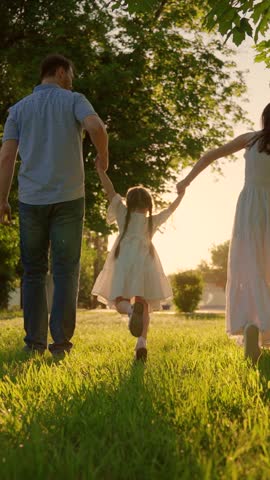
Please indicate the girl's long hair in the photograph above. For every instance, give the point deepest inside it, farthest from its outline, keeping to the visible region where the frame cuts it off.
(263, 137)
(137, 198)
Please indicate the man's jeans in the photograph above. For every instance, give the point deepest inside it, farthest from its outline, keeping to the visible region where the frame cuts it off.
(60, 227)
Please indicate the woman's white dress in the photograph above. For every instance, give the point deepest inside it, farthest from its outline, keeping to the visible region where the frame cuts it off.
(248, 285)
(135, 272)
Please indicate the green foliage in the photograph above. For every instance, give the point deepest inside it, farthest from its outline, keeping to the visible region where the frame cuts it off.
(94, 251)
(196, 411)
(165, 91)
(187, 290)
(88, 257)
(216, 272)
(9, 259)
(241, 19)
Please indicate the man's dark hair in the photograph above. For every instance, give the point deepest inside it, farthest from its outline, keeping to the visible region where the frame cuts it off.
(52, 62)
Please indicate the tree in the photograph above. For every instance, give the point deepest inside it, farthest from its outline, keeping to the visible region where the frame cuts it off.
(9, 260)
(216, 272)
(240, 19)
(165, 91)
(187, 290)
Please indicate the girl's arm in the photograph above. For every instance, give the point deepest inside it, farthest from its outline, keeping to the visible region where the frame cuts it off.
(163, 216)
(106, 182)
(173, 206)
(229, 148)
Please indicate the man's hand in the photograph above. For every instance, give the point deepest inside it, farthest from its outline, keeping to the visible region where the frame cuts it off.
(5, 212)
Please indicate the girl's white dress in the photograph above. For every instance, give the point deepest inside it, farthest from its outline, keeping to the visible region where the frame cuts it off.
(248, 285)
(135, 272)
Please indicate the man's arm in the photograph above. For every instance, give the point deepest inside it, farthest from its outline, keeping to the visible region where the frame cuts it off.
(8, 154)
(106, 182)
(97, 131)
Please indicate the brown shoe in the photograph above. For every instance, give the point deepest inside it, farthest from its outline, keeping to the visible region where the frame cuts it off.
(141, 354)
(135, 323)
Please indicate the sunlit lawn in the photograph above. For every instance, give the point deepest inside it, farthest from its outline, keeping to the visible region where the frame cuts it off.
(196, 411)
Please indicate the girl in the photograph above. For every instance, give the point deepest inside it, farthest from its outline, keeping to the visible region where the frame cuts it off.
(248, 283)
(133, 269)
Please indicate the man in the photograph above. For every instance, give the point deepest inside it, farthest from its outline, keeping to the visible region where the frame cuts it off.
(46, 129)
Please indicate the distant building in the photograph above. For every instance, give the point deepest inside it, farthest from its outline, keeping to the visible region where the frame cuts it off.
(15, 299)
(213, 297)
(15, 296)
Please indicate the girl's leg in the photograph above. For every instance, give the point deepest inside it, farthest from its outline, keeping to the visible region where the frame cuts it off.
(146, 317)
(140, 349)
(123, 306)
(135, 324)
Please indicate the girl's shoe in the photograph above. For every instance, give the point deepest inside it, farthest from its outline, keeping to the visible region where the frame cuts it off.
(141, 354)
(252, 350)
(135, 323)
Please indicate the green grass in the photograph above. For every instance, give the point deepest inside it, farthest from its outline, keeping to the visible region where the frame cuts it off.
(196, 411)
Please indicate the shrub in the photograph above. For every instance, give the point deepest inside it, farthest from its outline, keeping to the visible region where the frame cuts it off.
(9, 260)
(187, 290)
(88, 257)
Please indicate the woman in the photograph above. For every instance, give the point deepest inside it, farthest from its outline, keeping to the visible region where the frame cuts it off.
(248, 281)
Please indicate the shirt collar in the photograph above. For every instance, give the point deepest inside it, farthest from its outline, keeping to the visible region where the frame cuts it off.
(45, 86)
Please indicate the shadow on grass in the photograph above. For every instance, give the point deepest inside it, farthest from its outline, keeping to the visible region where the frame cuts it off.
(202, 316)
(13, 358)
(102, 431)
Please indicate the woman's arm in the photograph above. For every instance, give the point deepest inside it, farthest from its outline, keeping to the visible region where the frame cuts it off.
(228, 149)
(106, 182)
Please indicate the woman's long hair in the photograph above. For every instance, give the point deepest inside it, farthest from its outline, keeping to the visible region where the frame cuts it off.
(137, 198)
(263, 137)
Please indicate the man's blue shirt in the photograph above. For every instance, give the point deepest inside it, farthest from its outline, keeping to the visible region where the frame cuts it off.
(47, 126)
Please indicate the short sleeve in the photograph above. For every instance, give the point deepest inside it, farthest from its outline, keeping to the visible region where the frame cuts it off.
(82, 107)
(117, 210)
(11, 129)
(161, 218)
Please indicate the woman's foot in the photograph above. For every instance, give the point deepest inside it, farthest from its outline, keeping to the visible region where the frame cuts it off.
(135, 323)
(252, 350)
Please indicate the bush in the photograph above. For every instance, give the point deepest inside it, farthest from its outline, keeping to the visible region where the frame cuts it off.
(9, 260)
(187, 290)
(88, 257)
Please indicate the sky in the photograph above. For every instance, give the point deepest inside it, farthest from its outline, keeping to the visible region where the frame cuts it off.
(205, 215)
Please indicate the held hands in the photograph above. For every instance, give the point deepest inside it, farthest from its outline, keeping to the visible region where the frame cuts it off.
(181, 194)
(5, 212)
(181, 187)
